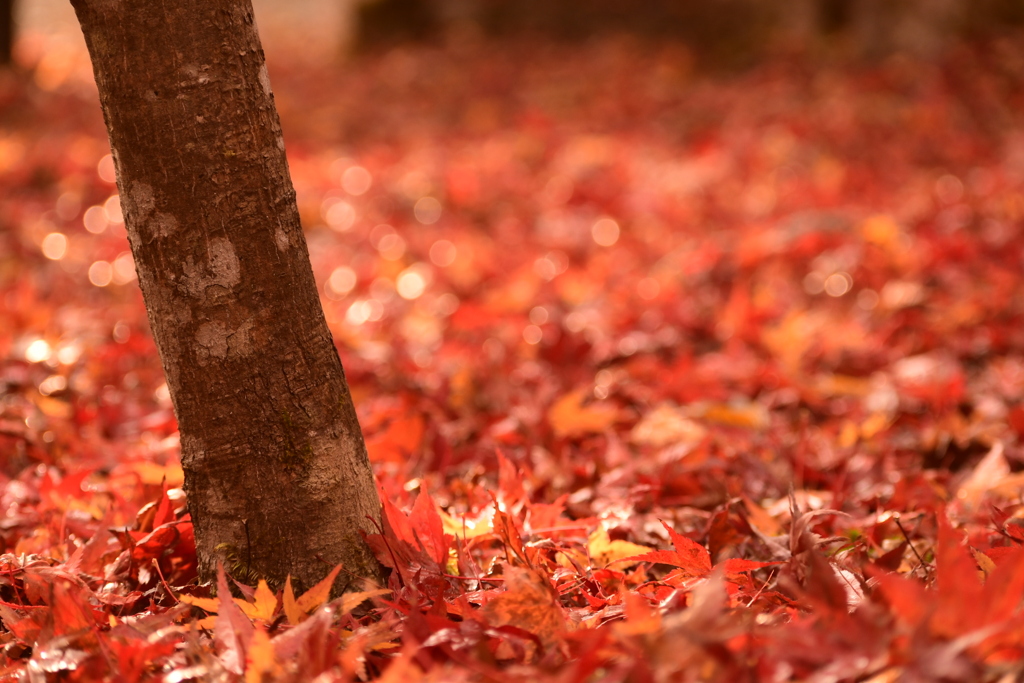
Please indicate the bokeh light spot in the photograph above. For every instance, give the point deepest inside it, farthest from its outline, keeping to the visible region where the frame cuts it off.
(341, 282)
(533, 334)
(427, 210)
(105, 169)
(101, 273)
(55, 246)
(356, 181)
(412, 282)
(443, 253)
(37, 351)
(838, 284)
(95, 219)
(605, 232)
(339, 215)
(112, 207)
(124, 268)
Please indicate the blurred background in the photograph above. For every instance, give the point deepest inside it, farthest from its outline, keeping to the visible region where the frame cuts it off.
(729, 30)
(513, 207)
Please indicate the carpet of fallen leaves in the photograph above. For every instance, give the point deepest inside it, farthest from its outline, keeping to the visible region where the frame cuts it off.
(664, 375)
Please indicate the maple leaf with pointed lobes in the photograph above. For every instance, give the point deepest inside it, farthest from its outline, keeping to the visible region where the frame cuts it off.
(529, 602)
(692, 558)
(412, 544)
(264, 605)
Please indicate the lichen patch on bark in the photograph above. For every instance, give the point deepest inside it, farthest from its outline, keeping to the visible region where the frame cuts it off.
(140, 200)
(162, 225)
(217, 340)
(222, 269)
(281, 238)
(265, 80)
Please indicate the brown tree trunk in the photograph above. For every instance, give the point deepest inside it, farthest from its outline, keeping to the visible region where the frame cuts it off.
(276, 473)
(6, 31)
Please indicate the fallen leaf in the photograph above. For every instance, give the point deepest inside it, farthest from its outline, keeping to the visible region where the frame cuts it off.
(667, 425)
(318, 594)
(571, 415)
(604, 552)
(530, 603)
(260, 663)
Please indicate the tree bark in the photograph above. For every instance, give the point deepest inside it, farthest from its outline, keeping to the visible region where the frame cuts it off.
(276, 473)
(6, 32)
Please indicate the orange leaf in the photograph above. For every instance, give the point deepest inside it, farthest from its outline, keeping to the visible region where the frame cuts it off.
(570, 417)
(667, 425)
(318, 594)
(260, 663)
(263, 607)
(529, 602)
(207, 604)
(749, 415)
(291, 608)
(350, 601)
(640, 617)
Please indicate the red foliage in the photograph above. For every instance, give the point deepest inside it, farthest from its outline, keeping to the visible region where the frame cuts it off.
(665, 376)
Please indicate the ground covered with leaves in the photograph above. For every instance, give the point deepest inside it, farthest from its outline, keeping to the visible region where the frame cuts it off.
(664, 375)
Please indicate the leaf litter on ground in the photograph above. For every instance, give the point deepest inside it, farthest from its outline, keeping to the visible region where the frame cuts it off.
(664, 376)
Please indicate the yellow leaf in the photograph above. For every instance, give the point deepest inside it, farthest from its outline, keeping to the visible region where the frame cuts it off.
(570, 417)
(465, 527)
(604, 551)
(291, 609)
(260, 663)
(264, 605)
(318, 594)
(152, 473)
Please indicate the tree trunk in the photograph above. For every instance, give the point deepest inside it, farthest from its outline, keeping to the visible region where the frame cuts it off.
(6, 31)
(276, 474)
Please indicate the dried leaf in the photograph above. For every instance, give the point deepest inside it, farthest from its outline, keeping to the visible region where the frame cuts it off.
(529, 602)
(572, 416)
